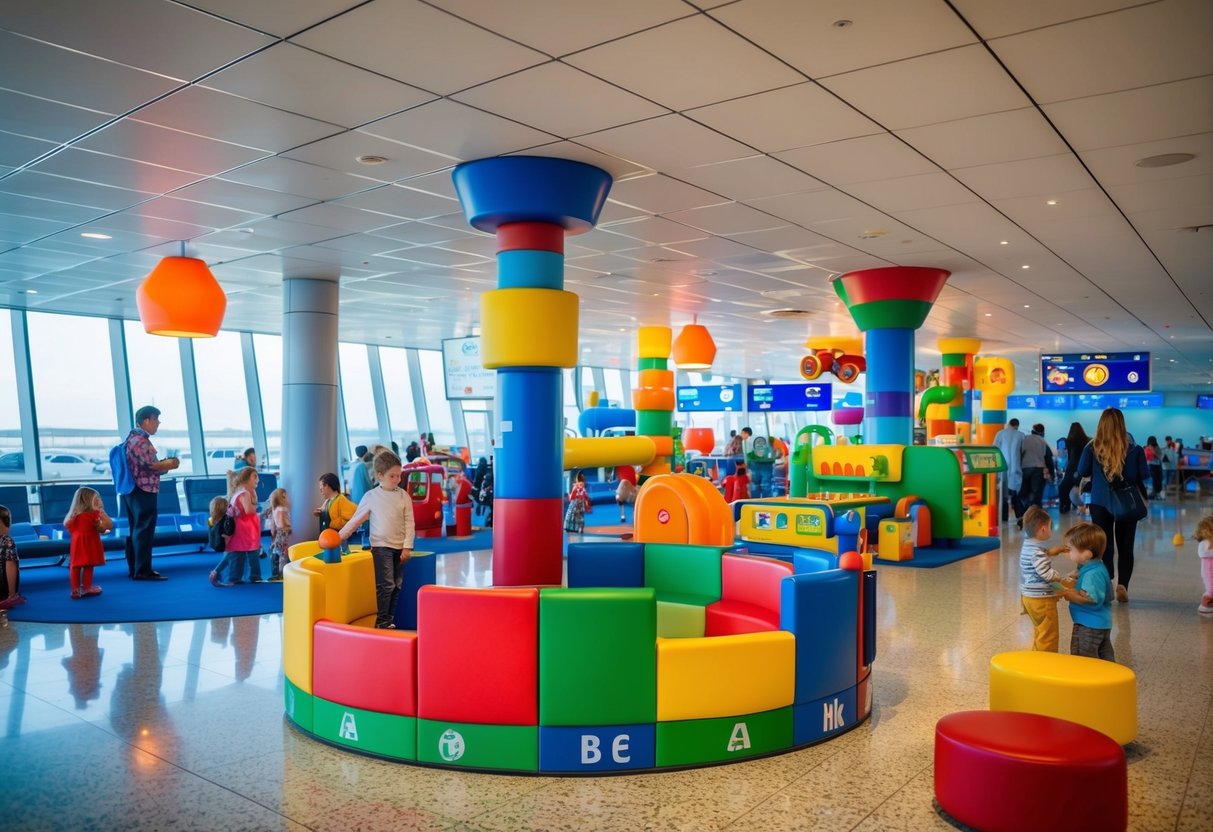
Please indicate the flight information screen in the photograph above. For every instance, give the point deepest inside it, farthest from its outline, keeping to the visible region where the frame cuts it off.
(1110, 372)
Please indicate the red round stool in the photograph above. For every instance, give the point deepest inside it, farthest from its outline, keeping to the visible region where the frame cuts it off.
(1002, 770)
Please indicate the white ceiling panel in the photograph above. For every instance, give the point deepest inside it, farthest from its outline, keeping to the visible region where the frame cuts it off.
(588, 104)
(457, 131)
(61, 189)
(993, 20)
(749, 178)
(944, 86)
(169, 148)
(1043, 177)
(656, 230)
(928, 190)
(428, 48)
(18, 230)
(619, 168)
(278, 17)
(342, 94)
(241, 197)
(39, 118)
(1162, 112)
(183, 210)
(298, 178)
(1118, 165)
(986, 139)
(727, 218)
(666, 142)
(570, 26)
(662, 195)
(1191, 193)
(398, 201)
(110, 170)
(56, 74)
(337, 215)
(17, 151)
(1152, 43)
(171, 39)
(341, 153)
(806, 115)
(879, 31)
(865, 159)
(678, 64)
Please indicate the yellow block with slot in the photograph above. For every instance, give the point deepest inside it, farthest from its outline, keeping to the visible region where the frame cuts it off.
(700, 678)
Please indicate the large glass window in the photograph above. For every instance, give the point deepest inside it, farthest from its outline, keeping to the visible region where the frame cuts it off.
(360, 419)
(155, 371)
(571, 411)
(73, 394)
(615, 389)
(398, 389)
(11, 467)
(477, 423)
(268, 350)
(223, 399)
(441, 423)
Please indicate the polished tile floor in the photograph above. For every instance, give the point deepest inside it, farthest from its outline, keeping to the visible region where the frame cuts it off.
(179, 725)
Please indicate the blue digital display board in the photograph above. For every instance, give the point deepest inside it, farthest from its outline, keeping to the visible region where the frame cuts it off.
(1204, 402)
(1084, 401)
(1040, 402)
(1111, 372)
(782, 398)
(710, 398)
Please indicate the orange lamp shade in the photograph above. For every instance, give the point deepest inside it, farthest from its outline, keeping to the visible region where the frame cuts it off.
(181, 299)
(699, 439)
(694, 348)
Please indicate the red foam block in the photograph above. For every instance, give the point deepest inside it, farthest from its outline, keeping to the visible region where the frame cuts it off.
(478, 656)
(531, 236)
(752, 580)
(375, 670)
(528, 541)
(733, 618)
(1002, 771)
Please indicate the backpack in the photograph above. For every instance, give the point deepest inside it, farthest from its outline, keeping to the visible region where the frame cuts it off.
(120, 469)
(227, 525)
(215, 535)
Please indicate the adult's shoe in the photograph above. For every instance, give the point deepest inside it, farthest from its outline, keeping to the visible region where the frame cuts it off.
(151, 576)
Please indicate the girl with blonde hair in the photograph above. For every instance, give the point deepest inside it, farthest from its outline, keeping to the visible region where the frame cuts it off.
(245, 542)
(85, 521)
(1109, 457)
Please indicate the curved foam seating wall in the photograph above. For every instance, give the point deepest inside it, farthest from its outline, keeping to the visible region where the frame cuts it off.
(580, 679)
(1101, 695)
(1007, 772)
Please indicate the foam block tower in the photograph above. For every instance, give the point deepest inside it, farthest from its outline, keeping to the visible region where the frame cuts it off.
(528, 333)
(889, 304)
(653, 399)
(957, 359)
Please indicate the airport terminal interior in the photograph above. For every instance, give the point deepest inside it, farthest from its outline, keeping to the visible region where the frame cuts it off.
(602, 237)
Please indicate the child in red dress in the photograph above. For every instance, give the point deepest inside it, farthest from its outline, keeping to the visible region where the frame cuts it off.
(85, 521)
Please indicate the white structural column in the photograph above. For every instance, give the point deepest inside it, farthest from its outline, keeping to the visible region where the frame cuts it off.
(309, 393)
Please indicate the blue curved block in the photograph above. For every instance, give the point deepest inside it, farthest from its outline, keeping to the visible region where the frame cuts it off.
(822, 610)
(530, 269)
(531, 446)
(606, 564)
(832, 714)
(601, 748)
(531, 189)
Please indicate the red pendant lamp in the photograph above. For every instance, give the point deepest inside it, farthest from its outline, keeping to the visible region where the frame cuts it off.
(694, 348)
(181, 299)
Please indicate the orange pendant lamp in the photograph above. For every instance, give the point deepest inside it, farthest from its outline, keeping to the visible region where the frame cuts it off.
(694, 348)
(181, 299)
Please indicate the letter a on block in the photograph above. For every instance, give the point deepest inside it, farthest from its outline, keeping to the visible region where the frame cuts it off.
(740, 738)
(589, 750)
(349, 728)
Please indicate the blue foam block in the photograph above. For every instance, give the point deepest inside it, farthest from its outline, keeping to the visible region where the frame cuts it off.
(531, 189)
(529, 269)
(822, 610)
(606, 564)
(821, 718)
(421, 570)
(606, 748)
(813, 560)
(530, 450)
(869, 617)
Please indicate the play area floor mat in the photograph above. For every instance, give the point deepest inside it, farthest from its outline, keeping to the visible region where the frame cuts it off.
(930, 557)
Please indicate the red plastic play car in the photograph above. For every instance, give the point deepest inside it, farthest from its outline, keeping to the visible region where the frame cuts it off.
(846, 367)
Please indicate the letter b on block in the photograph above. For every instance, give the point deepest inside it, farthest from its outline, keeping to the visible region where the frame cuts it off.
(597, 748)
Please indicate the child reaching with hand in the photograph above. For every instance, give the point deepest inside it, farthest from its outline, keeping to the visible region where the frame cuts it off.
(1037, 577)
(1204, 548)
(280, 532)
(85, 521)
(1091, 596)
(390, 510)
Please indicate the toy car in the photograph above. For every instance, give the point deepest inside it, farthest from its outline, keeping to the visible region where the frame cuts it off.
(843, 365)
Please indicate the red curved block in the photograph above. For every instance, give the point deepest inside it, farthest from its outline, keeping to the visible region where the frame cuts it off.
(749, 596)
(375, 670)
(478, 656)
(731, 618)
(1003, 771)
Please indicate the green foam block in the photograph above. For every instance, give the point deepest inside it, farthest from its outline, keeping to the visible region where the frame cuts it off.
(680, 620)
(695, 741)
(298, 705)
(388, 734)
(513, 747)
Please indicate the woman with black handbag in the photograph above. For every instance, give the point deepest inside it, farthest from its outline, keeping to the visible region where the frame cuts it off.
(1118, 473)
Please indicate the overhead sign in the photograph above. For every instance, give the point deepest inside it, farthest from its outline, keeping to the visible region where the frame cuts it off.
(465, 377)
(1084, 401)
(710, 398)
(1112, 372)
(782, 398)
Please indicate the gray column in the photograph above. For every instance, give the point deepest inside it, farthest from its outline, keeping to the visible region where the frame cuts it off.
(309, 393)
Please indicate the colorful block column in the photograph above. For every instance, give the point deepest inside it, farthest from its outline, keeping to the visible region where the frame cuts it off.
(995, 378)
(654, 399)
(889, 304)
(528, 333)
(957, 359)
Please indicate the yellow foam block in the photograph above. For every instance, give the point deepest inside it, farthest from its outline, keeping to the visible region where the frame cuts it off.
(676, 620)
(1092, 692)
(349, 586)
(528, 328)
(701, 678)
(306, 549)
(302, 607)
(654, 341)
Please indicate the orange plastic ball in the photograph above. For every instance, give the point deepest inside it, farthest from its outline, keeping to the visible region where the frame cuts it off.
(329, 539)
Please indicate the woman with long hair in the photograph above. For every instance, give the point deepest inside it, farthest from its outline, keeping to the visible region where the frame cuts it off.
(1076, 440)
(1154, 461)
(1109, 456)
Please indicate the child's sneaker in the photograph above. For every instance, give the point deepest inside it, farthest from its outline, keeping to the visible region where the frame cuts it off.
(76, 595)
(91, 591)
(1206, 604)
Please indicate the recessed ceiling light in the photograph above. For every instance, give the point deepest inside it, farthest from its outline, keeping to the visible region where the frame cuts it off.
(1050, 202)
(1004, 243)
(370, 159)
(1163, 160)
(989, 314)
(1027, 306)
(93, 235)
(31, 291)
(1025, 267)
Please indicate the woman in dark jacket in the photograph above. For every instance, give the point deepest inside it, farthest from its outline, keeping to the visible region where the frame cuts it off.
(1110, 455)
(1076, 440)
(482, 469)
(1154, 460)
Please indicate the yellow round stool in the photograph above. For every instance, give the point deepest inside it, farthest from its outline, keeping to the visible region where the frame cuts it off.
(1092, 692)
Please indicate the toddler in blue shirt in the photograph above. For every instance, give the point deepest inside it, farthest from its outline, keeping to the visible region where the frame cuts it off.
(1091, 598)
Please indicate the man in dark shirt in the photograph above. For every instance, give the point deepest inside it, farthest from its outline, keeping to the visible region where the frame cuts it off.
(1036, 460)
(141, 503)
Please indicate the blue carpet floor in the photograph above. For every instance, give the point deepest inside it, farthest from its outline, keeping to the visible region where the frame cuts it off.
(187, 594)
(933, 556)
